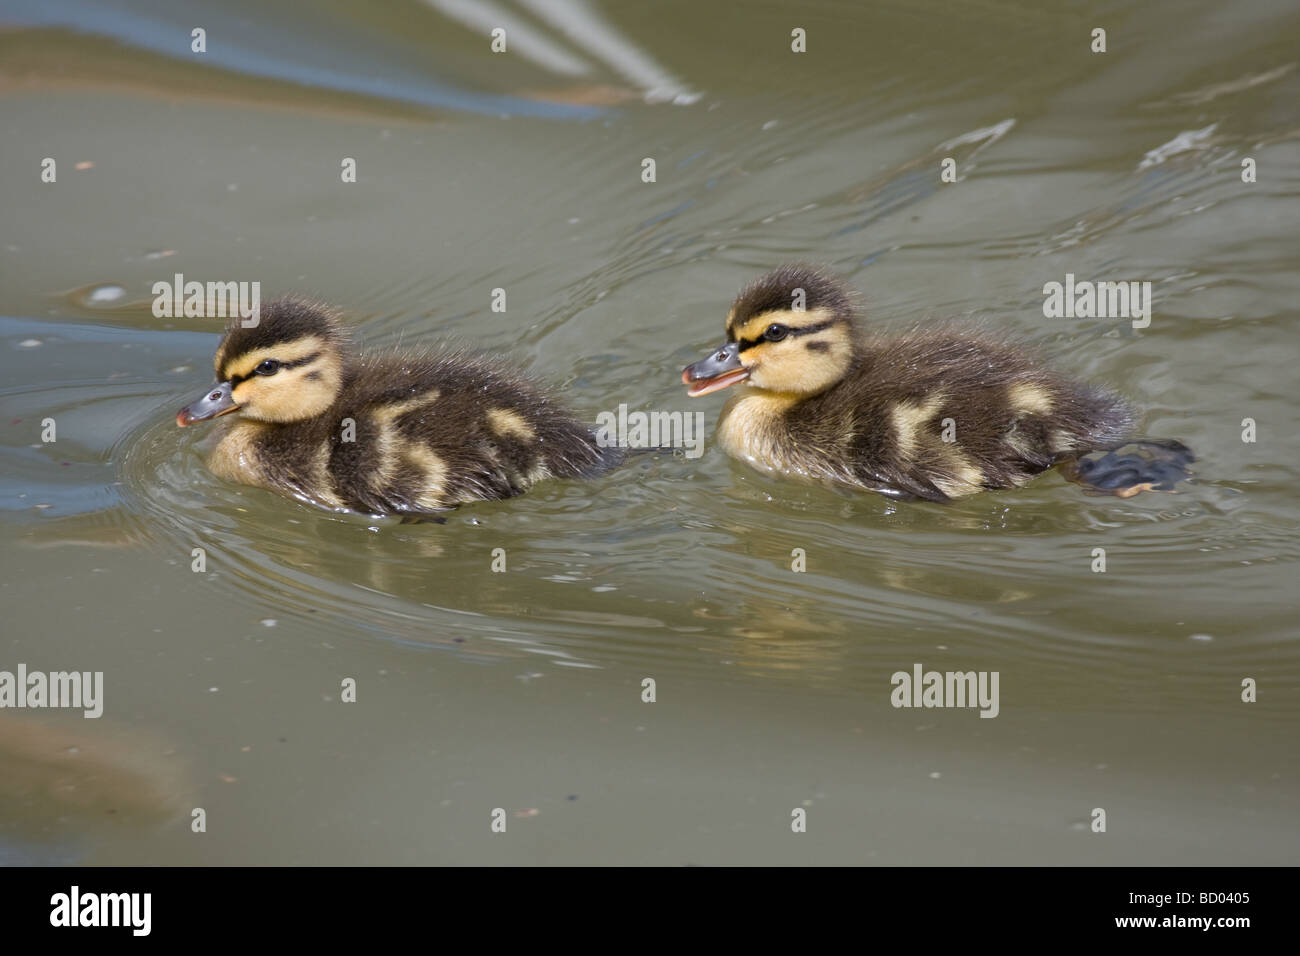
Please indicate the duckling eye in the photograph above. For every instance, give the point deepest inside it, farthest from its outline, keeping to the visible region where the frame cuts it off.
(269, 367)
(776, 332)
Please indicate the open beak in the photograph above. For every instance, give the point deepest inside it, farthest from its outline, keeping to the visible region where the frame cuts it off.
(719, 370)
(215, 403)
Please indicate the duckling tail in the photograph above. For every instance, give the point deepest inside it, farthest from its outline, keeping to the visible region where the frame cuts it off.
(1130, 467)
(614, 456)
(605, 460)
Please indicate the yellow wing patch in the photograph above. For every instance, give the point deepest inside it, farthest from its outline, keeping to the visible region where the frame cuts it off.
(322, 482)
(435, 472)
(1027, 398)
(509, 424)
(963, 477)
(909, 418)
(1062, 441)
(387, 442)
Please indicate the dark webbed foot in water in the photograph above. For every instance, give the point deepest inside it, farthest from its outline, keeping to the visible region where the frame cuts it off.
(421, 518)
(1132, 467)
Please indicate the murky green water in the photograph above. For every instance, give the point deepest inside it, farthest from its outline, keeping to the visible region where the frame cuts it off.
(522, 690)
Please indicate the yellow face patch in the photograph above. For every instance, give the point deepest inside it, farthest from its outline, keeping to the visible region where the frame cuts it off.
(291, 394)
(800, 364)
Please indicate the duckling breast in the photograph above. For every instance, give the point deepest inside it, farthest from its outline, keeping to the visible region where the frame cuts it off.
(234, 455)
(752, 427)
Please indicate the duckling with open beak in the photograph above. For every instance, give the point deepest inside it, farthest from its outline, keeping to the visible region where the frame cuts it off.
(935, 412)
(716, 372)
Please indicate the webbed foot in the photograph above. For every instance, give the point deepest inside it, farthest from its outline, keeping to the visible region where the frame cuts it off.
(1132, 467)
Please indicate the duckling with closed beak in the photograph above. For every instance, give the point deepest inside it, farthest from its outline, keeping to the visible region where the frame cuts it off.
(932, 413)
(403, 432)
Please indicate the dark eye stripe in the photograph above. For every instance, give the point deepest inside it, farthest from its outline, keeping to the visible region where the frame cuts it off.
(305, 360)
(794, 331)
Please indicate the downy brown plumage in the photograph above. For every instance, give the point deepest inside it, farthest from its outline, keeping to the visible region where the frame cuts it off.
(395, 432)
(935, 412)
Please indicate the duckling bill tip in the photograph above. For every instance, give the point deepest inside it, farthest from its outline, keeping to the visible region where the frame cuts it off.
(216, 402)
(715, 384)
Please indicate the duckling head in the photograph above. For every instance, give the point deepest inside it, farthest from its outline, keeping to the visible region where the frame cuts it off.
(286, 368)
(790, 331)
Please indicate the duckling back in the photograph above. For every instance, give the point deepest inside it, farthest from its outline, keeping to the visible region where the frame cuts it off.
(437, 430)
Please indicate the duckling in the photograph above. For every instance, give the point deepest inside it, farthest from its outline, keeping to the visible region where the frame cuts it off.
(406, 433)
(933, 413)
